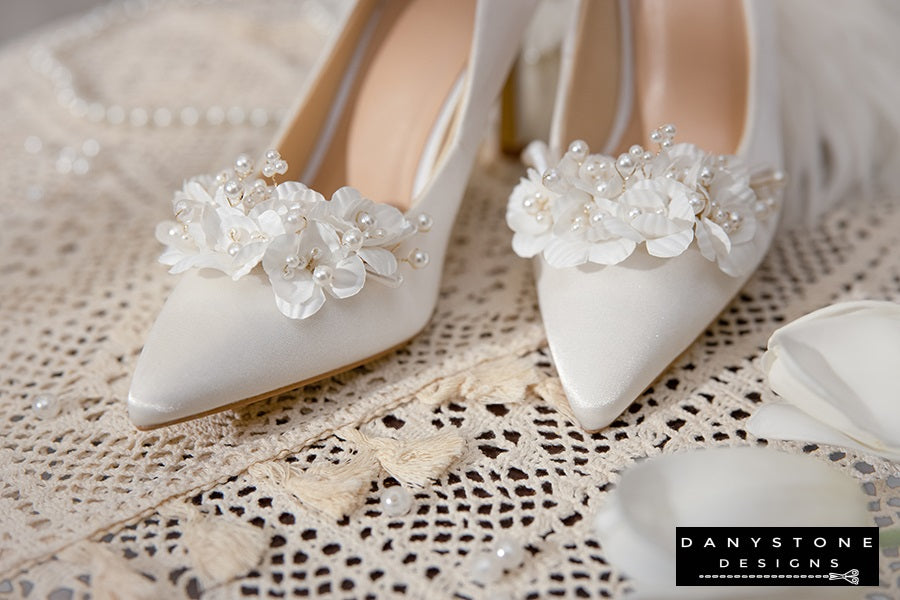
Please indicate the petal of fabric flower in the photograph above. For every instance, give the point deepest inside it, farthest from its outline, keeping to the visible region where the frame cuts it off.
(305, 309)
(247, 258)
(198, 192)
(712, 240)
(740, 259)
(349, 277)
(527, 245)
(380, 260)
(653, 225)
(611, 252)
(562, 253)
(670, 245)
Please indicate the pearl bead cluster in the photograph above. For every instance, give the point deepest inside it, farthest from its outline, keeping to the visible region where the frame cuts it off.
(45, 61)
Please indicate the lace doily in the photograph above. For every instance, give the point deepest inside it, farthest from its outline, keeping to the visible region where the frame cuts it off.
(90, 505)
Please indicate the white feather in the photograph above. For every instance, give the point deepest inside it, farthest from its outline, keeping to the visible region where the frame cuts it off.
(840, 81)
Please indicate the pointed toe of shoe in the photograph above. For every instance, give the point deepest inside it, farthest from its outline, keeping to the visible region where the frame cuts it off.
(613, 330)
(219, 343)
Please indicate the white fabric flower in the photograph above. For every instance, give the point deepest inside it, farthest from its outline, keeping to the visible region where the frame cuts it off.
(660, 211)
(836, 369)
(311, 248)
(379, 226)
(528, 215)
(303, 268)
(726, 231)
(718, 487)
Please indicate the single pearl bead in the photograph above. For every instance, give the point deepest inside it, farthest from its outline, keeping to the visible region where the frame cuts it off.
(280, 167)
(579, 149)
(735, 218)
(601, 188)
(634, 213)
(323, 275)
(292, 262)
(486, 569)
(424, 222)
(647, 157)
(233, 190)
(365, 220)
(233, 249)
(352, 239)
(528, 203)
(243, 165)
(597, 217)
(45, 406)
(659, 211)
(378, 233)
(669, 130)
(726, 227)
(396, 501)
(268, 171)
(419, 259)
(696, 203)
(577, 223)
(656, 136)
(541, 217)
(636, 152)
(551, 179)
(706, 175)
(625, 163)
(666, 143)
(272, 155)
(719, 215)
(509, 553)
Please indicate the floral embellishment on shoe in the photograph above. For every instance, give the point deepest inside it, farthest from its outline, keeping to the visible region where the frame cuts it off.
(309, 247)
(592, 208)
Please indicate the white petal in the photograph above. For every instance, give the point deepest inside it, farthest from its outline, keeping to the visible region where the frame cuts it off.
(349, 277)
(653, 225)
(270, 223)
(305, 309)
(783, 421)
(670, 245)
(712, 240)
(611, 252)
(562, 253)
(840, 364)
(722, 487)
(380, 260)
(527, 246)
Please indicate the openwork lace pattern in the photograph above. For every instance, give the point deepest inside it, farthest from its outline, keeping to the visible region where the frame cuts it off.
(105, 507)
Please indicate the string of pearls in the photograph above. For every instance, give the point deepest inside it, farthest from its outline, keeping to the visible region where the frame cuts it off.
(44, 59)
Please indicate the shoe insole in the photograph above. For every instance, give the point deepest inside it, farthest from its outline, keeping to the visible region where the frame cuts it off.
(399, 93)
(590, 103)
(691, 69)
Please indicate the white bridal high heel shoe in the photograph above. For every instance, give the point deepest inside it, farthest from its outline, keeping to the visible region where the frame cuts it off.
(284, 287)
(637, 252)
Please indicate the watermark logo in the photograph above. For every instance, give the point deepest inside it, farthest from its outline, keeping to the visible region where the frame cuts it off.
(789, 556)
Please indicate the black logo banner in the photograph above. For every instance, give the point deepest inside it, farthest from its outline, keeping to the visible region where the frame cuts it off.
(786, 556)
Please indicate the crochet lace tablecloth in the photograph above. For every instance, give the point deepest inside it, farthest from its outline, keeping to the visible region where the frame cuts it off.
(281, 498)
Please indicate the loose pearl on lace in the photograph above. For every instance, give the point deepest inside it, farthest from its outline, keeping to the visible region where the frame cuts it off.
(323, 275)
(396, 501)
(508, 552)
(486, 569)
(45, 406)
